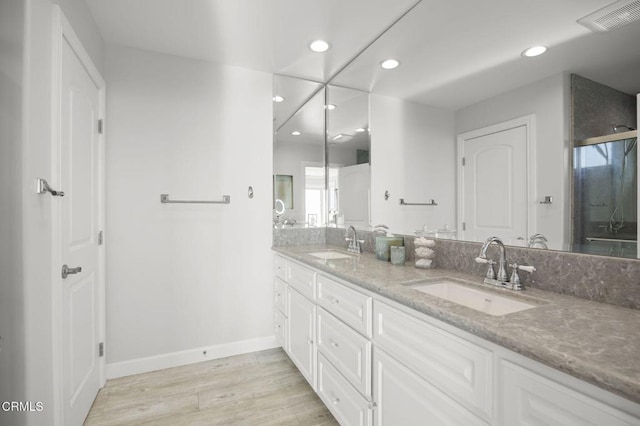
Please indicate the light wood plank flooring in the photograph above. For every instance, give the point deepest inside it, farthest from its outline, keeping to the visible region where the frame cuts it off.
(261, 388)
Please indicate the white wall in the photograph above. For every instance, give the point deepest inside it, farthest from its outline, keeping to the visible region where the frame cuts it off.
(548, 99)
(183, 278)
(12, 366)
(412, 156)
(40, 366)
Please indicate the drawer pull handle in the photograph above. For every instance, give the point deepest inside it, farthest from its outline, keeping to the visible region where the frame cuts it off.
(278, 294)
(278, 326)
(334, 344)
(335, 301)
(310, 342)
(372, 405)
(336, 401)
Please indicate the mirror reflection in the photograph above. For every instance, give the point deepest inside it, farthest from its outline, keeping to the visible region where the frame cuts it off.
(435, 145)
(299, 151)
(349, 165)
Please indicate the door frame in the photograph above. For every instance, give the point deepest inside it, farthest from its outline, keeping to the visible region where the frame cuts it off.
(63, 32)
(529, 122)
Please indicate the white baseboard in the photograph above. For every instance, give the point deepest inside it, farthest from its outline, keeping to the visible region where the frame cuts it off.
(192, 356)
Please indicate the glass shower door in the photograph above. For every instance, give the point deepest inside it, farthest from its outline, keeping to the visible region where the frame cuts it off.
(605, 213)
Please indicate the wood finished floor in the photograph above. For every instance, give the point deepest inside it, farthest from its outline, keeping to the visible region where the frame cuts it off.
(261, 388)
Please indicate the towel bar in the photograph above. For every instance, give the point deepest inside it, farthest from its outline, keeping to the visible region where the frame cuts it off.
(164, 198)
(431, 202)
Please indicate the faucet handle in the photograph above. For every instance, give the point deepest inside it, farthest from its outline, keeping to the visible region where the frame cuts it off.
(491, 273)
(515, 278)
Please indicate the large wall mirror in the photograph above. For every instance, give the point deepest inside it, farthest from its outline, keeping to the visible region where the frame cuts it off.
(432, 137)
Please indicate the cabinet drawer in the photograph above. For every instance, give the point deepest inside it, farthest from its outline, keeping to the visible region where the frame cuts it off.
(280, 325)
(280, 296)
(349, 352)
(344, 402)
(302, 279)
(350, 306)
(531, 399)
(459, 368)
(280, 267)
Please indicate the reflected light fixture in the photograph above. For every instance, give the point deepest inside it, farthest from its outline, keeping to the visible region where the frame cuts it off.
(534, 51)
(278, 99)
(296, 133)
(360, 129)
(319, 46)
(389, 64)
(331, 107)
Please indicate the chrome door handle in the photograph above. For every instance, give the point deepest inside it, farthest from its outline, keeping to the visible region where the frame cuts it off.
(66, 271)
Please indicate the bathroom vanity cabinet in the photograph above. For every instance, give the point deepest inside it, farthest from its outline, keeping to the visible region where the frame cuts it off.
(374, 361)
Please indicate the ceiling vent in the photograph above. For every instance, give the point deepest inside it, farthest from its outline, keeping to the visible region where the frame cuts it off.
(614, 16)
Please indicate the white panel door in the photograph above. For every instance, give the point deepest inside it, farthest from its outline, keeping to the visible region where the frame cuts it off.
(79, 167)
(495, 186)
(354, 183)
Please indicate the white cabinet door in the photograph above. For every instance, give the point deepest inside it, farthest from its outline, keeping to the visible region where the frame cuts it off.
(456, 366)
(301, 334)
(280, 328)
(403, 398)
(531, 399)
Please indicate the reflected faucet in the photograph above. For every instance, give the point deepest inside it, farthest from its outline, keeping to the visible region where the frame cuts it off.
(502, 262)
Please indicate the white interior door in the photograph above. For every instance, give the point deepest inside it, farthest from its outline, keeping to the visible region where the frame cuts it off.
(495, 185)
(354, 183)
(79, 214)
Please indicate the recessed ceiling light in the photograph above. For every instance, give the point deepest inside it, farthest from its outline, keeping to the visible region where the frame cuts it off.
(278, 98)
(534, 51)
(331, 107)
(389, 64)
(296, 133)
(319, 46)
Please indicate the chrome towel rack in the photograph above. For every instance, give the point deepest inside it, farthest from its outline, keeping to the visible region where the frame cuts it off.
(431, 202)
(164, 198)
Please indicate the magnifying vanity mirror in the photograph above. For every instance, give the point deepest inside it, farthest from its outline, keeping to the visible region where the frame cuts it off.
(379, 136)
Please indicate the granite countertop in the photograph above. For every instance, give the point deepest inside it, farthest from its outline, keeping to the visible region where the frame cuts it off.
(595, 342)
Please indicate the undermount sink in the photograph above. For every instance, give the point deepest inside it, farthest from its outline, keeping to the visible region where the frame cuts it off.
(479, 300)
(330, 254)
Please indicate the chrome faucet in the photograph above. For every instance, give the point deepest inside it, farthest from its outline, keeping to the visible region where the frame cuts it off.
(355, 245)
(502, 263)
(501, 279)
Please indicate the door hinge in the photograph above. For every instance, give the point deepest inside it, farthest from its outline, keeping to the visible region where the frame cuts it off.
(100, 238)
(463, 161)
(101, 126)
(101, 349)
(464, 226)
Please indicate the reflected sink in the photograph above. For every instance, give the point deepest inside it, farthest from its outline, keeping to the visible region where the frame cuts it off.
(330, 255)
(479, 300)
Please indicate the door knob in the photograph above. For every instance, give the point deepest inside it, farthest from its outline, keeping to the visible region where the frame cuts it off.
(66, 271)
